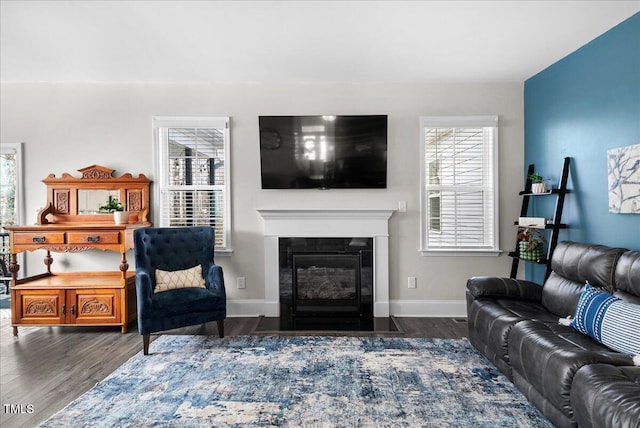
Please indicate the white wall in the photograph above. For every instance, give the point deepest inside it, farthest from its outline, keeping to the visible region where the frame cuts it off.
(69, 126)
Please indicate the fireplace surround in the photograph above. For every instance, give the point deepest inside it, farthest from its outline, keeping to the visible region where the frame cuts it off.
(370, 224)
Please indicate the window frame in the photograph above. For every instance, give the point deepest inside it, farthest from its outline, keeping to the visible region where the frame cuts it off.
(217, 122)
(459, 122)
(17, 150)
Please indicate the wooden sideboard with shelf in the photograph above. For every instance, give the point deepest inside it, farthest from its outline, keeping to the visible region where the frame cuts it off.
(78, 298)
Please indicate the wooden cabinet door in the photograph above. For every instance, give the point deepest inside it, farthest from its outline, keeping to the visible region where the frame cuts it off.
(39, 306)
(93, 306)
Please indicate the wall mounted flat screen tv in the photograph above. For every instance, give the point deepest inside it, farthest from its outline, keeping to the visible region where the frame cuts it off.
(323, 152)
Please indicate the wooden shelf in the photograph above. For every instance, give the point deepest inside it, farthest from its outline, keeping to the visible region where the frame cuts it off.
(550, 192)
(110, 279)
(517, 256)
(547, 226)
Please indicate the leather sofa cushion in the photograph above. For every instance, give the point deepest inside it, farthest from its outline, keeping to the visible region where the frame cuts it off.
(560, 295)
(526, 310)
(489, 326)
(606, 396)
(628, 273)
(628, 277)
(491, 320)
(586, 262)
(547, 356)
(630, 298)
(573, 264)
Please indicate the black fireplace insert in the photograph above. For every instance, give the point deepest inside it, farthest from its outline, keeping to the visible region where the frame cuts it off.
(326, 281)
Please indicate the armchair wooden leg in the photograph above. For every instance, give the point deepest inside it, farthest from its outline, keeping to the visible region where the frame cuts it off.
(145, 343)
(220, 328)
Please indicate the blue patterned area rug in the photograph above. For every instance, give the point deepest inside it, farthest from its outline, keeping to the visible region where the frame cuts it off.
(204, 381)
(5, 301)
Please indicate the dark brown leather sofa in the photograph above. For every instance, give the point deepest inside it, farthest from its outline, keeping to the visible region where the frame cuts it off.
(571, 378)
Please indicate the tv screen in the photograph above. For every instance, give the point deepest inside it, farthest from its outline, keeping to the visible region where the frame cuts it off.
(325, 152)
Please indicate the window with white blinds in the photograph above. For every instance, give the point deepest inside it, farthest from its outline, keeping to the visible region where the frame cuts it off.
(192, 174)
(459, 184)
(11, 206)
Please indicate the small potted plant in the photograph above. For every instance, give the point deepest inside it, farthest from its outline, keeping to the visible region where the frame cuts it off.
(530, 243)
(538, 184)
(120, 216)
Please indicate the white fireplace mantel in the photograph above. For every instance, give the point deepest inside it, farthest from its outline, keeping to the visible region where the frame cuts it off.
(324, 223)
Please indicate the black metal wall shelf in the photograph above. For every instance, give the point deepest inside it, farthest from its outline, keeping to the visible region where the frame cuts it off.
(554, 226)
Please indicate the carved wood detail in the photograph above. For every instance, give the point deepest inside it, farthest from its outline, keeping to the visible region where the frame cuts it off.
(62, 201)
(14, 267)
(63, 194)
(134, 200)
(40, 306)
(96, 172)
(69, 248)
(93, 305)
(42, 215)
(48, 261)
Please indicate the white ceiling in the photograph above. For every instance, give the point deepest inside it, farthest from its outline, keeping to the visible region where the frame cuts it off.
(295, 41)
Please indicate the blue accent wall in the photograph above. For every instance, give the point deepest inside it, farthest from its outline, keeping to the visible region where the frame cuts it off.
(581, 107)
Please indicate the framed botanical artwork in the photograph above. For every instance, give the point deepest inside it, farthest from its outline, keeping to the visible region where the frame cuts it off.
(624, 179)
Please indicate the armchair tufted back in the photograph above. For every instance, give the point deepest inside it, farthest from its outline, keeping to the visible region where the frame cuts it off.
(173, 248)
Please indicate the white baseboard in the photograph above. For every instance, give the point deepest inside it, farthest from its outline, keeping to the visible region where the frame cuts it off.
(246, 308)
(398, 308)
(429, 308)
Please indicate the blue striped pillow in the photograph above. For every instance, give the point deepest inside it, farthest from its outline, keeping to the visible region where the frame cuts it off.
(609, 320)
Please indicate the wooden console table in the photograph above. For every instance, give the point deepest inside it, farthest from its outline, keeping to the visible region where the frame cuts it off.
(65, 226)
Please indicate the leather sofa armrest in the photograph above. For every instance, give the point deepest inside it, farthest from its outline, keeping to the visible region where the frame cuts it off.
(508, 288)
(215, 280)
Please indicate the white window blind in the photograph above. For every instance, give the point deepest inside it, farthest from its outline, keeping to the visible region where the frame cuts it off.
(193, 175)
(11, 206)
(459, 194)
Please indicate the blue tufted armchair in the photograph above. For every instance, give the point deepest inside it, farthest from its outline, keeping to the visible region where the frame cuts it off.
(173, 249)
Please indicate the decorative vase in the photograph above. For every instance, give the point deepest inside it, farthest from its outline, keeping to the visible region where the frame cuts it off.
(539, 188)
(529, 254)
(121, 217)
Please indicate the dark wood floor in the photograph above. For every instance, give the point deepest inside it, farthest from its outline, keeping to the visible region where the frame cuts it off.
(45, 368)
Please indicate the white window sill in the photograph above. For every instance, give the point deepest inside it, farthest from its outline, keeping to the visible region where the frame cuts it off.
(461, 253)
(223, 253)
